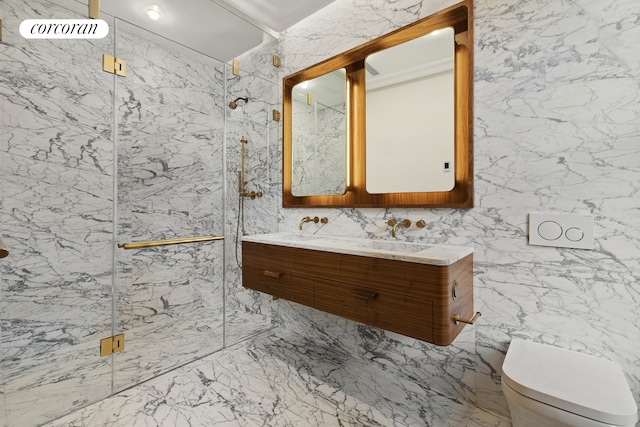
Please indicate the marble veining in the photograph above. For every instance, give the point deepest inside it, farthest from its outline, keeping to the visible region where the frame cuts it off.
(556, 125)
(401, 251)
(70, 177)
(248, 313)
(282, 378)
(168, 301)
(52, 98)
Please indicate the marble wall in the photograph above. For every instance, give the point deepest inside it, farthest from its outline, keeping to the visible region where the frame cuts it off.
(88, 160)
(170, 119)
(557, 128)
(56, 170)
(248, 313)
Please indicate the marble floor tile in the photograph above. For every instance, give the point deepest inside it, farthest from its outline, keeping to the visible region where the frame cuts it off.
(280, 378)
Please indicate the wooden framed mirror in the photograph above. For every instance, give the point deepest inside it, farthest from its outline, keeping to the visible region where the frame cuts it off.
(399, 135)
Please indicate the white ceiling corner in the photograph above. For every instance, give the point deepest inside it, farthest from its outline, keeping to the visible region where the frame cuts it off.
(221, 29)
(278, 15)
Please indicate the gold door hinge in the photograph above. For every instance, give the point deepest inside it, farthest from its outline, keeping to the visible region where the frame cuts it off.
(235, 65)
(94, 9)
(276, 60)
(111, 345)
(114, 65)
(276, 115)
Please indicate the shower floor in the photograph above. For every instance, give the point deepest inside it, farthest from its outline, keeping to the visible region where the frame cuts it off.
(279, 379)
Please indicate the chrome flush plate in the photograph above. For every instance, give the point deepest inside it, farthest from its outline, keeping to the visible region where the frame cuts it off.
(562, 230)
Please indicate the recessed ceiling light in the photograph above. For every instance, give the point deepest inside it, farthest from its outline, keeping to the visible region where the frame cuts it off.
(154, 12)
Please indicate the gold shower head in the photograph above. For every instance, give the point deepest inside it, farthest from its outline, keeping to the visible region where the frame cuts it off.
(234, 104)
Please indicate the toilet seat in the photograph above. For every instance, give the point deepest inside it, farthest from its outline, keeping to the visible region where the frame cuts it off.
(584, 385)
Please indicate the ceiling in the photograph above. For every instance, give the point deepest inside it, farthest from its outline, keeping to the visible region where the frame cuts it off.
(278, 15)
(221, 29)
(201, 25)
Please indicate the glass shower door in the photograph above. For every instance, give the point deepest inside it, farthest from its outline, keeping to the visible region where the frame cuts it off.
(89, 159)
(169, 300)
(56, 216)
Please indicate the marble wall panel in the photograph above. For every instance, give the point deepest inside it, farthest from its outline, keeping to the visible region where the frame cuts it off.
(248, 312)
(56, 93)
(58, 205)
(565, 108)
(56, 211)
(169, 301)
(56, 287)
(556, 129)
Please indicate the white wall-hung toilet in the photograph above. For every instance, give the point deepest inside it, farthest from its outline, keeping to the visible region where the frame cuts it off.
(549, 386)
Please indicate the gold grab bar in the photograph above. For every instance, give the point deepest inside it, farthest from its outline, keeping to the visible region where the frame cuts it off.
(153, 243)
(4, 252)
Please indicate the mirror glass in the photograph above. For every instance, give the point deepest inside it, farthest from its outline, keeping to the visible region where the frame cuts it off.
(319, 135)
(390, 123)
(412, 86)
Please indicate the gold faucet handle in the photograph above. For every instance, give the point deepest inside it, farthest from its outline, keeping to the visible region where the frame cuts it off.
(316, 219)
(406, 223)
(421, 223)
(391, 222)
(324, 220)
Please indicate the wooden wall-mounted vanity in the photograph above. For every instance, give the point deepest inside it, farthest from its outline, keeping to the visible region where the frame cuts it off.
(411, 298)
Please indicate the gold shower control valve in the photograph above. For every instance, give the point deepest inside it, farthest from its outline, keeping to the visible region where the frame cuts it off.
(252, 194)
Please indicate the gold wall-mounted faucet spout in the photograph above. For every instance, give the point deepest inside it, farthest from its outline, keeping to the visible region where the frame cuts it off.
(395, 224)
(309, 219)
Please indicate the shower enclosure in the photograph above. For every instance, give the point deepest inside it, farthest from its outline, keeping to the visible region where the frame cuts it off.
(90, 159)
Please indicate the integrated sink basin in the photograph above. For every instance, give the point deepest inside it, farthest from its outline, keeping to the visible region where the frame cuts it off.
(395, 250)
(384, 245)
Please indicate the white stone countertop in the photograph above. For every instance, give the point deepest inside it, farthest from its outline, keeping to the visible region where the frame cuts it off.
(388, 249)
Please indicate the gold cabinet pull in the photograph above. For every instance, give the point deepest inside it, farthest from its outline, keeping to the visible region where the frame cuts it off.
(365, 295)
(456, 318)
(274, 274)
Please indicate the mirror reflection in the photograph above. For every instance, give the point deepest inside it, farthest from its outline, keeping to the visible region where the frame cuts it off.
(411, 86)
(319, 135)
(404, 120)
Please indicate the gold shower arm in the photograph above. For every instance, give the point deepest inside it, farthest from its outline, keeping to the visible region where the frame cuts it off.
(153, 243)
